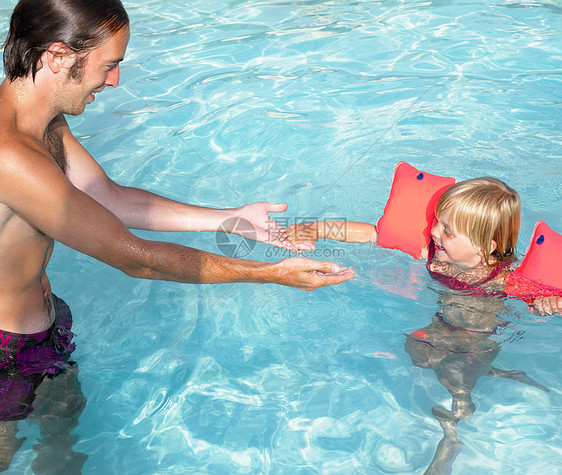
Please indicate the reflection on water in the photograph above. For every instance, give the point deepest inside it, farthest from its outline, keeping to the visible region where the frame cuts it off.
(457, 346)
(57, 406)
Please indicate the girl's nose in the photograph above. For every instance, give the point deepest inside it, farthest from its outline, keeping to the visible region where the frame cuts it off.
(435, 229)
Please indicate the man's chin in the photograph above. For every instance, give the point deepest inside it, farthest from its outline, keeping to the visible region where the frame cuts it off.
(75, 113)
(76, 110)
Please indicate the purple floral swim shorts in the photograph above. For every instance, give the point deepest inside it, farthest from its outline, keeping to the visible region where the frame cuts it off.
(26, 359)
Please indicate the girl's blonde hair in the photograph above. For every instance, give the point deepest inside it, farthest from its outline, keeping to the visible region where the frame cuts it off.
(485, 210)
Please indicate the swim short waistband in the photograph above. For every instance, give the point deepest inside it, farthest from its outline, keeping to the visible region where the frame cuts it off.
(15, 347)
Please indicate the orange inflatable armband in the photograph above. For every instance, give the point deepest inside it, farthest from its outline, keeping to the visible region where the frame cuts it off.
(540, 273)
(410, 210)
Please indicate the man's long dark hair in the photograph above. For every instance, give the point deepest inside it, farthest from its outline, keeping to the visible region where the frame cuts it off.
(81, 25)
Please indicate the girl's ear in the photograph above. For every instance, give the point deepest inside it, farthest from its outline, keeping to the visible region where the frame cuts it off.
(493, 247)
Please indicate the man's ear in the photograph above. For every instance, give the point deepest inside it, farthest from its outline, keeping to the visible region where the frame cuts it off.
(59, 57)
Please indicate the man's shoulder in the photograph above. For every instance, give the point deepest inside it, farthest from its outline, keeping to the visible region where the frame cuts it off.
(13, 140)
(21, 153)
(15, 144)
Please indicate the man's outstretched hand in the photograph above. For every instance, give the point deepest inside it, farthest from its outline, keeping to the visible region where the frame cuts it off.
(308, 274)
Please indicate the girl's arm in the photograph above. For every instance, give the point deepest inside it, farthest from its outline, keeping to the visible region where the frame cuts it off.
(345, 231)
(548, 305)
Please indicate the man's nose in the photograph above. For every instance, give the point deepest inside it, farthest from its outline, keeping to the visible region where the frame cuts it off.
(112, 79)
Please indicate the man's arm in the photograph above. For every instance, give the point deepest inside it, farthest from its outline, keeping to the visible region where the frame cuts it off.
(141, 209)
(34, 187)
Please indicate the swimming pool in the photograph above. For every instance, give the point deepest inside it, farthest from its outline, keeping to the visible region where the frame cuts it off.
(312, 103)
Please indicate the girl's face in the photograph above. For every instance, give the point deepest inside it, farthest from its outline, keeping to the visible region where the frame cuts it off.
(453, 247)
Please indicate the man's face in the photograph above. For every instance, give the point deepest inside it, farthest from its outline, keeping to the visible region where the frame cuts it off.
(100, 68)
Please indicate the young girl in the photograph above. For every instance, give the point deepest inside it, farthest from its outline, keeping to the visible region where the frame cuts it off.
(472, 242)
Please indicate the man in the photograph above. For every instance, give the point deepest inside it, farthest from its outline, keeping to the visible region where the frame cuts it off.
(58, 55)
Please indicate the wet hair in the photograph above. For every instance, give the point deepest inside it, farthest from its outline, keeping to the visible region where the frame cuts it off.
(484, 209)
(81, 25)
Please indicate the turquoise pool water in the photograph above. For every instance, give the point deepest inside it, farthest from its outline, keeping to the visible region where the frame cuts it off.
(313, 103)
